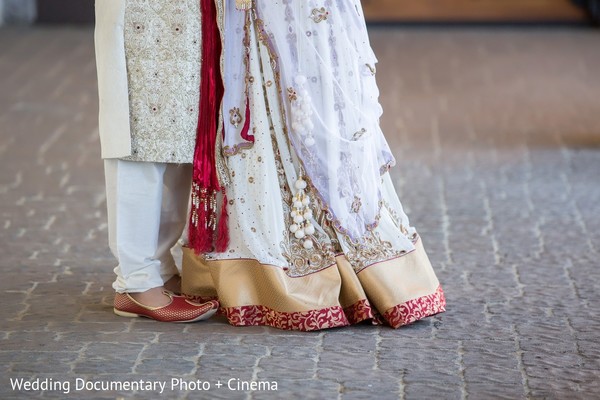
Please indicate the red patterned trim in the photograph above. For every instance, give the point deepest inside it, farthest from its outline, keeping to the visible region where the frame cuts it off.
(312, 320)
(200, 299)
(416, 309)
(359, 312)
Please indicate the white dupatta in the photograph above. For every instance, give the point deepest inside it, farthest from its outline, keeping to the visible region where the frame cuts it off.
(327, 70)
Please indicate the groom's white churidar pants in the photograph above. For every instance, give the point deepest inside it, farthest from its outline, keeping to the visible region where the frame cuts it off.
(147, 212)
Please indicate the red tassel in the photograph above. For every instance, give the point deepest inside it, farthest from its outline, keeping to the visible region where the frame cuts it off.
(204, 243)
(200, 235)
(223, 229)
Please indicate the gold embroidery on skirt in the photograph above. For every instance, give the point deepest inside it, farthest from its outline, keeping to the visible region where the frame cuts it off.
(319, 14)
(243, 4)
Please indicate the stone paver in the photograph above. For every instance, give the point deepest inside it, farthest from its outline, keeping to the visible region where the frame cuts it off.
(497, 136)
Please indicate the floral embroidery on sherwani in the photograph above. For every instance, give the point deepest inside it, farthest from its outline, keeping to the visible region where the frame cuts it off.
(162, 48)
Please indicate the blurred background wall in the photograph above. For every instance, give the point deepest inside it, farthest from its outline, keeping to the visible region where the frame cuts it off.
(17, 11)
(474, 10)
(70, 11)
(565, 11)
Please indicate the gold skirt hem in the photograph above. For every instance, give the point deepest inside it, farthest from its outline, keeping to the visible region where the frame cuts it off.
(395, 292)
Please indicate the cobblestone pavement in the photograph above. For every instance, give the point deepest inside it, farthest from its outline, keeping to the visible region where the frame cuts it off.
(497, 135)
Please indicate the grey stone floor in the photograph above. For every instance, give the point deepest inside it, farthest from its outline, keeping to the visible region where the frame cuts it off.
(497, 136)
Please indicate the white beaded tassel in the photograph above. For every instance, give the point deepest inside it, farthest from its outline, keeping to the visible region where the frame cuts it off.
(302, 112)
(301, 214)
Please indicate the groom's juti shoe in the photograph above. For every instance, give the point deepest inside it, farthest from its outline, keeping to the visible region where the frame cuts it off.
(179, 309)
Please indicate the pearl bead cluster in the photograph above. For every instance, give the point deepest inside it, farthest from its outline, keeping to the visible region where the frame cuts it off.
(302, 112)
(301, 215)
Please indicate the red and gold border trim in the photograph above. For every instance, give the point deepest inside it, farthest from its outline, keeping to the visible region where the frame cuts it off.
(312, 320)
(334, 317)
(416, 309)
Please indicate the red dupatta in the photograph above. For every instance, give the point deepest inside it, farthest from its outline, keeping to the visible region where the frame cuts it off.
(207, 231)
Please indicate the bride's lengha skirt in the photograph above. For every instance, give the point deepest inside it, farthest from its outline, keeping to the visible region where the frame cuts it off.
(267, 277)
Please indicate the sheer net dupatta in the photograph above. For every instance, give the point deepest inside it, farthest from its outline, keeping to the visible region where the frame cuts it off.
(325, 72)
(330, 97)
